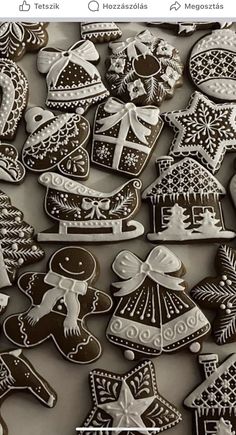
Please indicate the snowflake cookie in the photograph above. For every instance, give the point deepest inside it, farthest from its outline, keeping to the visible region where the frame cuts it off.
(17, 374)
(99, 32)
(18, 38)
(219, 294)
(212, 65)
(130, 401)
(204, 130)
(61, 300)
(144, 69)
(56, 142)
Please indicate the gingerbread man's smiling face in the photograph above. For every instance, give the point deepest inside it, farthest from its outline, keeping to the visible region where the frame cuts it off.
(75, 263)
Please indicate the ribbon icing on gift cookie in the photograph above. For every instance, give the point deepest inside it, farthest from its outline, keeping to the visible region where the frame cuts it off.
(153, 313)
(74, 83)
(18, 374)
(144, 69)
(61, 300)
(17, 246)
(124, 136)
(18, 38)
(185, 203)
(99, 32)
(212, 65)
(204, 130)
(84, 214)
(56, 142)
(219, 294)
(213, 401)
(11, 169)
(187, 29)
(14, 88)
(130, 401)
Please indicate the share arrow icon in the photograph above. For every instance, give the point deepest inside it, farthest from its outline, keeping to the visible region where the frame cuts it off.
(175, 6)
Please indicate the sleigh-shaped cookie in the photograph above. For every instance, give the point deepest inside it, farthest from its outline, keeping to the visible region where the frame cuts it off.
(84, 214)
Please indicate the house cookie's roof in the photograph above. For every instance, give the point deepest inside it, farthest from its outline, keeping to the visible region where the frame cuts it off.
(218, 391)
(186, 176)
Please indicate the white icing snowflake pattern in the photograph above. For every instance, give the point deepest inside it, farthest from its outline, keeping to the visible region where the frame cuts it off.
(103, 152)
(131, 159)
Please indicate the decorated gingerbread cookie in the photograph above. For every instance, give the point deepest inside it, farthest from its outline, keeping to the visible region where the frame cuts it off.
(11, 169)
(61, 300)
(18, 247)
(4, 299)
(153, 313)
(185, 203)
(18, 38)
(73, 81)
(212, 65)
(131, 401)
(56, 142)
(87, 215)
(125, 136)
(17, 374)
(14, 97)
(204, 130)
(144, 69)
(187, 29)
(99, 32)
(213, 401)
(219, 294)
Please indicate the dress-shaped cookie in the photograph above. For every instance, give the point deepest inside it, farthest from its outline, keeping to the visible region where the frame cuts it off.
(144, 69)
(99, 32)
(212, 65)
(17, 374)
(153, 313)
(56, 142)
(11, 169)
(61, 300)
(17, 38)
(73, 81)
(14, 89)
(130, 401)
(87, 215)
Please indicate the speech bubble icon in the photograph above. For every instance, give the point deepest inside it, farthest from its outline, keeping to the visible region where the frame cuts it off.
(93, 6)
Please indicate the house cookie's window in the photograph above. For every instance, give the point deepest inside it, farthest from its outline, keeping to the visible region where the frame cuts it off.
(210, 427)
(165, 216)
(198, 211)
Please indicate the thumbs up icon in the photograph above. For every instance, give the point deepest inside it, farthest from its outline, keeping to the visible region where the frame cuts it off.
(24, 7)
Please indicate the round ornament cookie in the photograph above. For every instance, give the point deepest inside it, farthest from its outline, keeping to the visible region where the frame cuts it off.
(144, 69)
(212, 65)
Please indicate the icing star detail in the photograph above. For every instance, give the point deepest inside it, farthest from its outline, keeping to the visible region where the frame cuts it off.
(219, 293)
(204, 130)
(129, 401)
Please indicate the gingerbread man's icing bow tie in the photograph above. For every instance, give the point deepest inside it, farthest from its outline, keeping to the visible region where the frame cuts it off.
(131, 115)
(54, 61)
(133, 44)
(160, 262)
(95, 206)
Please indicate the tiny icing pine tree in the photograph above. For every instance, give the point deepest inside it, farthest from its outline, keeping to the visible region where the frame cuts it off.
(224, 428)
(208, 225)
(177, 225)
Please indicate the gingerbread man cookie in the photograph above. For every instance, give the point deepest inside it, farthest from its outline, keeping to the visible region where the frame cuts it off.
(61, 300)
(18, 374)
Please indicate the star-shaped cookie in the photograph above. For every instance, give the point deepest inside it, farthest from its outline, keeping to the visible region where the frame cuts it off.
(204, 130)
(219, 293)
(129, 402)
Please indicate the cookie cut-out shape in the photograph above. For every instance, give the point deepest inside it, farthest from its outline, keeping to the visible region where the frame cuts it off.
(187, 29)
(87, 215)
(153, 314)
(144, 69)
(130, 401)
(14, 89)
(213, 401)
(11, 169)
(125, 136)
(73, 81)
(56, 142)
(204, 130)
(219, 294)
(61, 300)
(18, 247)
(17, 38)
(99, 32)
(17, 374)
(185, 203)
(212, 65)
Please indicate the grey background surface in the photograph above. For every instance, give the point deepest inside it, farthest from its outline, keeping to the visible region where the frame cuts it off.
(177, 374)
